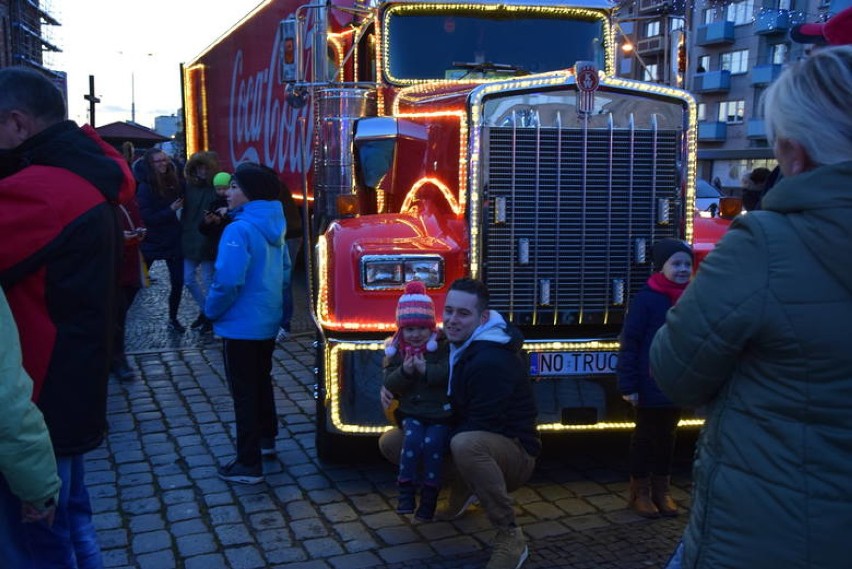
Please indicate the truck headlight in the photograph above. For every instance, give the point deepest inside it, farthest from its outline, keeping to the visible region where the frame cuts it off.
(393, 271)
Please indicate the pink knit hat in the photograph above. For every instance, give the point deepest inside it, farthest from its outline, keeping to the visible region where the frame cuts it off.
(415, 308)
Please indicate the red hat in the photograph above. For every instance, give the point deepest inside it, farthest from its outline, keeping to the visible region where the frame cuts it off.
(836, 31)
(415, 308)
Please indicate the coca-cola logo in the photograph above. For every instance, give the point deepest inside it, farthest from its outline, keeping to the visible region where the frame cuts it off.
(262, 127)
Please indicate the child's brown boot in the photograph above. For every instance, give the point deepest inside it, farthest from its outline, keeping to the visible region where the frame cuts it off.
(640, 498)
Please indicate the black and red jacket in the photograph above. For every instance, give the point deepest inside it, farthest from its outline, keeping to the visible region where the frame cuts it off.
(59, 254)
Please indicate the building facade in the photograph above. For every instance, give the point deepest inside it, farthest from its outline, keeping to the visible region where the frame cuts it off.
(726, 54)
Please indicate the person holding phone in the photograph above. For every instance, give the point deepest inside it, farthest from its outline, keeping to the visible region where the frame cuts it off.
(160, 196)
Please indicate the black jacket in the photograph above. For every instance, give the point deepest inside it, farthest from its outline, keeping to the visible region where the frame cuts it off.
(491, 388)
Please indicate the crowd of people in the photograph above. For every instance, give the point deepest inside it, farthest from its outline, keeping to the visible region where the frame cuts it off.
(755, 337)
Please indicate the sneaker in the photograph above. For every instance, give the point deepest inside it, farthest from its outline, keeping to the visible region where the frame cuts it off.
(267, 447)
(241, 474)
(175, 325)
(510, 549)
(457, 504)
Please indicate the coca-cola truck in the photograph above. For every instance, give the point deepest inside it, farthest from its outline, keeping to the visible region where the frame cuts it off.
(433, 140)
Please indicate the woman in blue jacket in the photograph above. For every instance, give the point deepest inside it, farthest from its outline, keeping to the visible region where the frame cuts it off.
(245, 304)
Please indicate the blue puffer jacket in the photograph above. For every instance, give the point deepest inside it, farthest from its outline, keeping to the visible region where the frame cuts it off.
(647, 312)
(246, 299)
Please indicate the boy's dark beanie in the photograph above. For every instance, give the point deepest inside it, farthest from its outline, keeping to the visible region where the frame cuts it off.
(665, 248)
(257, 182)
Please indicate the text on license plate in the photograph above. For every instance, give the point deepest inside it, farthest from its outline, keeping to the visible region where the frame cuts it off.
(572, 363)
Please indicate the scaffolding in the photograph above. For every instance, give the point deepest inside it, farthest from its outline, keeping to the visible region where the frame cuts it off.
(27, 34)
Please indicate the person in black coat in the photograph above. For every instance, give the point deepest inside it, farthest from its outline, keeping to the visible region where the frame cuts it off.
(160, 197)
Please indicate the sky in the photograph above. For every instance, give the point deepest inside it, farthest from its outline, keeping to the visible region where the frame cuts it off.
(134, 50)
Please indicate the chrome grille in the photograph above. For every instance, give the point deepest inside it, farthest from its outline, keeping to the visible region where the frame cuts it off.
(577, 226)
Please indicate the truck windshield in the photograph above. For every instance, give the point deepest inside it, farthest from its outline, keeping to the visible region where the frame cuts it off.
(476, 44)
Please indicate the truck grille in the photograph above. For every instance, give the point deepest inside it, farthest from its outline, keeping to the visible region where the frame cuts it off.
(563, 243)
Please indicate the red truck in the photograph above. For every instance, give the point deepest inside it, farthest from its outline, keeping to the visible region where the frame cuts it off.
(433, 140)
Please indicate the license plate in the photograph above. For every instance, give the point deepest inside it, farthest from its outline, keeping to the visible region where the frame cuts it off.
(572, 363)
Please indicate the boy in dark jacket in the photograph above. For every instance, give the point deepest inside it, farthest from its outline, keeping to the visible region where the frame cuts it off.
(416, 371)
(653, 439)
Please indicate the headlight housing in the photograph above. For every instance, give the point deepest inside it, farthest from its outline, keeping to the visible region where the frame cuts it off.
(381, 272)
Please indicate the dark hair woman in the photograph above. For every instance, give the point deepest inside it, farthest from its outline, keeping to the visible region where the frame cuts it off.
(160, 197)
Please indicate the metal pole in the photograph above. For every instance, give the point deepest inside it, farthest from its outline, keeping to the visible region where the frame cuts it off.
(132, 96)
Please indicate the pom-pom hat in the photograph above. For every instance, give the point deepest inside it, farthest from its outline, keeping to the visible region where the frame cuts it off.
(663, 249)
(415, 308)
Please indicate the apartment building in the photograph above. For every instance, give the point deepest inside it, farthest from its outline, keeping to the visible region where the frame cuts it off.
(726, 54)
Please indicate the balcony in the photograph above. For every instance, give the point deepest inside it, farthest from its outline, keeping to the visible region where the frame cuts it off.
(715, 34)
(755, 129)
(770, 22)
(712, 82)
(648, 46)
(712, 131)
(764, 74)
(656, 7)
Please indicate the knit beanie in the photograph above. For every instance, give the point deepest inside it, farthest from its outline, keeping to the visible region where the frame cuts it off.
(221, 179)
(257, 182)
(415, 308)
(663, 249)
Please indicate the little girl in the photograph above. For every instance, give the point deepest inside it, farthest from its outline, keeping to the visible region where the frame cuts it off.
(416, 372)
(653, 440)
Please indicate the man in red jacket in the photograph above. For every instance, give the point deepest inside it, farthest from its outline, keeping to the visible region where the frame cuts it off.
(59, 187)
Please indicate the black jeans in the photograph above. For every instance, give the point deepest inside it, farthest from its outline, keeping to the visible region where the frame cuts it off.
(653, 441)
(248, 367)
(175, 266)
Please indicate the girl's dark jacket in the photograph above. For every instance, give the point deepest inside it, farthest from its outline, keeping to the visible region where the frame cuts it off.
(421, 397)
(645, 315)
(62, 243)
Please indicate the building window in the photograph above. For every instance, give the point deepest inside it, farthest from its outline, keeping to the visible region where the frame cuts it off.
(778, 53)
(702, 112)
(741, 12)
(677, 24)
(703, 64)
(735, 61)
(732, 112)
(652, 72)
(784, 4)
(709, 15)
(652, 29)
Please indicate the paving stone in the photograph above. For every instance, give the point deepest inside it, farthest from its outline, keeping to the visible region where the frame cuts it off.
(159, 503)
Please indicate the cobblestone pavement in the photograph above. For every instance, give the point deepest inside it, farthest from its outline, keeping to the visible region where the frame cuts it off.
(159, 504)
